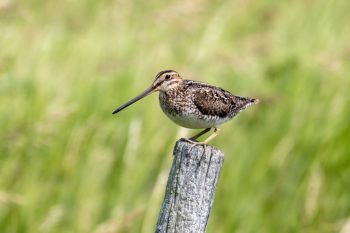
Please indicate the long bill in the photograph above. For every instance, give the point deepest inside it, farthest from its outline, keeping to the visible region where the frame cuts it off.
(130, 102)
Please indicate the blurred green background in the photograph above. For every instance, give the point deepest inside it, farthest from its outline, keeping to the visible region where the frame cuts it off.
(68, 165)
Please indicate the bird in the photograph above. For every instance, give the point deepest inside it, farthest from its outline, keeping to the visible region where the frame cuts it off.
(193, 104)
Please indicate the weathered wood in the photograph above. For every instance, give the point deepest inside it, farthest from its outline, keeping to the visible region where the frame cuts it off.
(190, 190)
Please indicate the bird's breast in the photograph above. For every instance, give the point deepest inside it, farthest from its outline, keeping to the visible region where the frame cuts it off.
(174, 103)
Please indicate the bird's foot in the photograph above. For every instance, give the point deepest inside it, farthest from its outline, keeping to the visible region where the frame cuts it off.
(194, 143)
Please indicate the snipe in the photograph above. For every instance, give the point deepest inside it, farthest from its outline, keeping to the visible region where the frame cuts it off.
(194, 104)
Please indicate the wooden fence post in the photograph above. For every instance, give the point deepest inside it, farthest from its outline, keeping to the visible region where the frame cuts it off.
(190, 190)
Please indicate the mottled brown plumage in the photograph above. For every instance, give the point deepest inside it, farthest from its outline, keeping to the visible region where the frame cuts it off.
(193, 104)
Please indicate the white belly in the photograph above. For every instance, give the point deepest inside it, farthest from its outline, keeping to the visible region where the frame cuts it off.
(192, 121)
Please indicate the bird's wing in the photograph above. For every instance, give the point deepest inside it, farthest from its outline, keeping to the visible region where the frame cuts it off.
(212, 101)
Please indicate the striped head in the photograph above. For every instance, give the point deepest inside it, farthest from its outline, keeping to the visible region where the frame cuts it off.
(166, 79)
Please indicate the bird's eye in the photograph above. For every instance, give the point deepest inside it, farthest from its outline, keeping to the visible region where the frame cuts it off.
(167, 76)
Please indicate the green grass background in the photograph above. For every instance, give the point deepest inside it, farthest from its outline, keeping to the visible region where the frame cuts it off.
(68, 165)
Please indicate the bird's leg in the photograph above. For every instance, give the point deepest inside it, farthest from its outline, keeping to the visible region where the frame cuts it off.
(204, 144)
(194, 138)
(212, 136)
